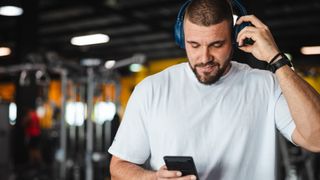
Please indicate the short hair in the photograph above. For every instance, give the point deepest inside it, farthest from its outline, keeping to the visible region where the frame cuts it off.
(209, 12)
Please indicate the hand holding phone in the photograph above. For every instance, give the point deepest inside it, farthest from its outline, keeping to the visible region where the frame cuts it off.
(184, 164)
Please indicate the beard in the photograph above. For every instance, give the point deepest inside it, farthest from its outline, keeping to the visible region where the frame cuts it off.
(209, 77)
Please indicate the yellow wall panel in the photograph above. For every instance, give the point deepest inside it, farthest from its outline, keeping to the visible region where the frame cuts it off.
(54, 93)
(7, 91)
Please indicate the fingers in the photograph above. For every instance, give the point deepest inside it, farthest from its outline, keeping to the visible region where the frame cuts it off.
(189, 177)
(164, 174)
(247, 49)
(247, 32)
(164, 167)
(253, 19)
(264, 47)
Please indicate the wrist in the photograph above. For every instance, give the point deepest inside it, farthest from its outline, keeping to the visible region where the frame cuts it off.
(149, 174)
(272, 54)
(275, 57)
(278, 61)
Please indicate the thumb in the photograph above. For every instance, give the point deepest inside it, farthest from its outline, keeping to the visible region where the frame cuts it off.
(247, 49)
(164, 167)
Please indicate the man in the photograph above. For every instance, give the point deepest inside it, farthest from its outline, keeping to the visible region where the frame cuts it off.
(224, 114)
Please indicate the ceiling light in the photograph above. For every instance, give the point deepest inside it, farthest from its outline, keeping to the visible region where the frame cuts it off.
(10, 11)
(135, 67)
(4, 51)
(109, 64)
(90, 62)
(310, 50)
(90, 39)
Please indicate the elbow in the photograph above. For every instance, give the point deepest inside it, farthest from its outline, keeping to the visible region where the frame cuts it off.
(314, 149)
(310, 142)
(317, 150)
(316, 146)
(315, 142)
(113, 168)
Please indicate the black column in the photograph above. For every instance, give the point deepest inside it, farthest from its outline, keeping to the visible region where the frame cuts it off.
(25, 95)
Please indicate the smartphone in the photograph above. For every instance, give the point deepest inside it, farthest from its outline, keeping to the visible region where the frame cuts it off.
(184, 164)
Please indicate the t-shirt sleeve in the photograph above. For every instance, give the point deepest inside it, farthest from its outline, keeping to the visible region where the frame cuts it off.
(283, 118)
(131, 141)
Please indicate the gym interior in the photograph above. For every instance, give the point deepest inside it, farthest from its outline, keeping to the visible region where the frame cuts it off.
(72, 66)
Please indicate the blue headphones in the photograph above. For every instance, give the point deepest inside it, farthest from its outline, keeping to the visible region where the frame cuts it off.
(178, 28)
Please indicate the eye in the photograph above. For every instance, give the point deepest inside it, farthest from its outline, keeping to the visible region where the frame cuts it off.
(194, 45)
(218, 44)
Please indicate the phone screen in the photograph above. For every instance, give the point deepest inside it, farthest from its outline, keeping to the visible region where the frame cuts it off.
(185, 164)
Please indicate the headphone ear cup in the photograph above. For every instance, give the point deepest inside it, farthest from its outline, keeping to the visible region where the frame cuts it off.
(179, 34)
(178, 27)
(237, 29)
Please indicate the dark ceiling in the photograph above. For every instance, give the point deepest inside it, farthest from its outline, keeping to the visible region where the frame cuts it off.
(140, 26)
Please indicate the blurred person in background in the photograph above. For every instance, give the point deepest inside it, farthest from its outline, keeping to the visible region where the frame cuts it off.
(32, 128)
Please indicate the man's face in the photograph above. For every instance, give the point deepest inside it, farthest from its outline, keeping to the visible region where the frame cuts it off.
(208, 50)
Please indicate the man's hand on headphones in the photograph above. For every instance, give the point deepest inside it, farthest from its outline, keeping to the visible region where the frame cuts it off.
(264, 47)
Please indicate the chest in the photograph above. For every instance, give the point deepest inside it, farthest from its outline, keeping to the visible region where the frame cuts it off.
(189, 108)
(211, 126)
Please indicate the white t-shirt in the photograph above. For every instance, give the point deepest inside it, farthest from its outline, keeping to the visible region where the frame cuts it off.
(228, 128)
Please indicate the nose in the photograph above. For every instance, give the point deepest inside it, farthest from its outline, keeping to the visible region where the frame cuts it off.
(206, 56)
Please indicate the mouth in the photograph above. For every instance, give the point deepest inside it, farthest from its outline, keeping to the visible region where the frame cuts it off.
(207, 68)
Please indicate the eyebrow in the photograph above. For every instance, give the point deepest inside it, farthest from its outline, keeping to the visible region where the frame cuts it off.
(210, 44)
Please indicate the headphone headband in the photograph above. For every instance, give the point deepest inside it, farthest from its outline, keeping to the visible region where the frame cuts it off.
(240, 7)
(182, 10)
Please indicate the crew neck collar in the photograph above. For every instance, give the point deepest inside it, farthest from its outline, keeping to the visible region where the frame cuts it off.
(221, 80)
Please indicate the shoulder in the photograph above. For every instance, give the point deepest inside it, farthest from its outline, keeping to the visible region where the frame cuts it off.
(255, 77)
(155, 85)
(164, 77)
(170, 71)
(251, 73)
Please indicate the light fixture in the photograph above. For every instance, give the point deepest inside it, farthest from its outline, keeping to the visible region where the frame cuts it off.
(75, 113)
(109, 64)
(41, 111)
(12, 113)
(98, 157)
(4, 51)
(90, 39)
(11, 11)
(89, 62)
(135, 67)
(104, 111)
(310, 50)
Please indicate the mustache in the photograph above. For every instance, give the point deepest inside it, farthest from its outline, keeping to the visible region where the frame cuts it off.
(209, 63)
